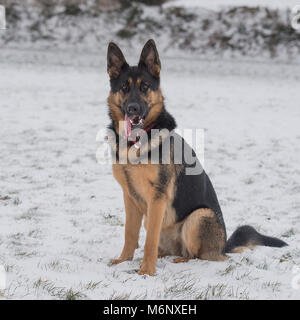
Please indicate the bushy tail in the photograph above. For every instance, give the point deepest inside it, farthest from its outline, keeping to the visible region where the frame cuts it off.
(247, 236)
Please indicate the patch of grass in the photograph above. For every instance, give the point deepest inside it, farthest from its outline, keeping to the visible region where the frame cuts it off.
(221, 291)
(243, 275)
(212, 291)
(262, 266)
(228, 270)
(246, 261)
(72, 295)
(115, 274)
(49, 287)
(34, 233)
(92, 285)
(58, 292)
(119, 296)
(275, 286)
(289, 233)
(286, 256)
(180, 287)
(16, 236)
(54, 265)
(25, 254)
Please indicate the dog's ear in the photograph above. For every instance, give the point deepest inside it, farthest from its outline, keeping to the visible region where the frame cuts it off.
(150, 58)
(115, 61)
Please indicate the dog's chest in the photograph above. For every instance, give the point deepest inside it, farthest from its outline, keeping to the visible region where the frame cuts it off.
(138, 180)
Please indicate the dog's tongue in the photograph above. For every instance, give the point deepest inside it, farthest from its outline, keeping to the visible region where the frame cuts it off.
(127, 126)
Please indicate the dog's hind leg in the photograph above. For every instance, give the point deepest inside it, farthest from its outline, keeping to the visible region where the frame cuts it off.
(203, 236)
(132, 229)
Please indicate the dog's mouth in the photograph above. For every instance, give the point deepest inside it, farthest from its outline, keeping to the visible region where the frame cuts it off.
(131, 123)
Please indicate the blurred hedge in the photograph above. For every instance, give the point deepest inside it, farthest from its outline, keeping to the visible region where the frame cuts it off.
(92, 23)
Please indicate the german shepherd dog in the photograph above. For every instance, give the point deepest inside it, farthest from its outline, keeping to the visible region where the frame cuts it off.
(181, 212)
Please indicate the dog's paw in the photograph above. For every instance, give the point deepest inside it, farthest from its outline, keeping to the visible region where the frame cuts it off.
(147, 271)
(116, 261)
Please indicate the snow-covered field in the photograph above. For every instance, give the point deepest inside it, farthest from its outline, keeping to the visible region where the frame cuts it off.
(62, 215)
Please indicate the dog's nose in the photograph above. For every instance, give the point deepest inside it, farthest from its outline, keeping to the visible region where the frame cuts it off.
(133, 109)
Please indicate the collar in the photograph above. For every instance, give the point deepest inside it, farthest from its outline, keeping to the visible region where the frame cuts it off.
(137, 143)
(143, 149)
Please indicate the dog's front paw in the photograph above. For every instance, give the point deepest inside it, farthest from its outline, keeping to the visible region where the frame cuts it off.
(117, 261)
(150, 271)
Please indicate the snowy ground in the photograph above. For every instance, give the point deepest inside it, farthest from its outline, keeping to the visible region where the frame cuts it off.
(61, 213)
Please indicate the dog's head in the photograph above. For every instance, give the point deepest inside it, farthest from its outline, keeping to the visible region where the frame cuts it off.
(135, 98)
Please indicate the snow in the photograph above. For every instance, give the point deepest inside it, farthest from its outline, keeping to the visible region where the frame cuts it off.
(216, 4)
(62, 214)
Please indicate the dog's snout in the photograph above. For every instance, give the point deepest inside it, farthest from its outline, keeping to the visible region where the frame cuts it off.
(133, 109)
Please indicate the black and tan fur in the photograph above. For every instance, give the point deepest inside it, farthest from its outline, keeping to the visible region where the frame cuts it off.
(181, 212)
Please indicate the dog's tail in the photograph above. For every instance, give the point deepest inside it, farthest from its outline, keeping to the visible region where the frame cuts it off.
(247, 237)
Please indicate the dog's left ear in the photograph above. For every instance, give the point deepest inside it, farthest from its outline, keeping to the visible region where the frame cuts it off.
(150, 58)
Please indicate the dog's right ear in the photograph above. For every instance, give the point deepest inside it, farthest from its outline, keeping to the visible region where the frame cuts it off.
(115, 61)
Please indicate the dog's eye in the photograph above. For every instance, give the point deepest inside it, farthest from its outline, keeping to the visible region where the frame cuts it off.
(125, 87)
(144, 87)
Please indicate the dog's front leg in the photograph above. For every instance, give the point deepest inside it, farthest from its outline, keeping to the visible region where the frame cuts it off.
(155, 215)
(132, 229)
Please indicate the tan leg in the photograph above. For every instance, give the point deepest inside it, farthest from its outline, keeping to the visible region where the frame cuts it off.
(155, 214)
(132, 229)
